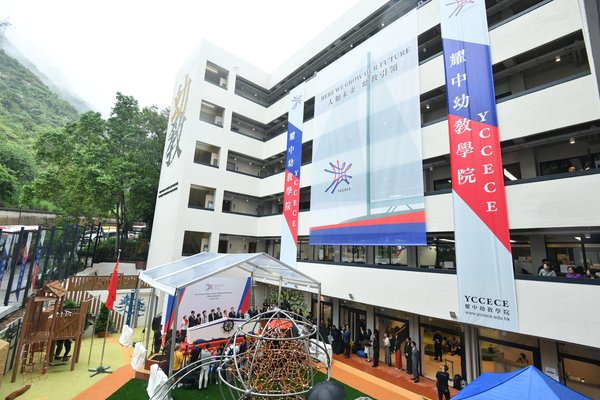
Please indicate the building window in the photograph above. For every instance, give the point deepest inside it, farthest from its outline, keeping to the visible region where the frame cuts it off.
(439, 252)
(324, 253)
(201, 197)
(441, 339)
(354, 254)
(303, 249)
(581, 368)
(506, 351)
(216, 75)
(211, 113)
(195, 242)
(206, 154)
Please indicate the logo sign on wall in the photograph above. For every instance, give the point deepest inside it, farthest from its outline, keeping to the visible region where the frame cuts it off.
(222, 293)
(483, 253)
(176, 121)
(367, 161)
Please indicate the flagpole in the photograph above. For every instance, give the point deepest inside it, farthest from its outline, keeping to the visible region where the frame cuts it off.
(110, 301)
(93, 334)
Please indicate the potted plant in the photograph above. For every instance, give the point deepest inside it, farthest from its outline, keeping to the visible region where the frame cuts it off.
(101, 321)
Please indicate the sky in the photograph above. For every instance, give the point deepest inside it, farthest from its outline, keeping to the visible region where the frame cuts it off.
(97, 48)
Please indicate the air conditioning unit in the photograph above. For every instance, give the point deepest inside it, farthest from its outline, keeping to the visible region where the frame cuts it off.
(219, 120)
(223, 83)
(215, 162)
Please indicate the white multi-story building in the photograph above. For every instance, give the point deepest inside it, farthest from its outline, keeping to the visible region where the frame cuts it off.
(221, 184)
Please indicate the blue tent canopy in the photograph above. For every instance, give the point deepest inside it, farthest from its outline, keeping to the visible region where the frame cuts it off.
(528, 383)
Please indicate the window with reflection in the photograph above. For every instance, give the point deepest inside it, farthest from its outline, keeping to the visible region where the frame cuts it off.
(439, 252)
(581, 368)
(441, 344)
(324, 253)
(354, 254)
(303, 249)
(502, 351)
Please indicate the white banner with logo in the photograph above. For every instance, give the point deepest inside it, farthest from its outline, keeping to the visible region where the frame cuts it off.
(367, 169)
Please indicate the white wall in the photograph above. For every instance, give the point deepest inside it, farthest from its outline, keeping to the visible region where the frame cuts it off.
(435, 295)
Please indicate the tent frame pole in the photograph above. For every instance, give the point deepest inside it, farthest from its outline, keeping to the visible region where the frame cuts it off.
(174, 330)
(149, 318)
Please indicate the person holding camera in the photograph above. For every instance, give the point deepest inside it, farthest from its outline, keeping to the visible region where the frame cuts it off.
(441, 382)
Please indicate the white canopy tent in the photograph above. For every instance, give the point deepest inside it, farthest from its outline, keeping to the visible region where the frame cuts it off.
(173, 277)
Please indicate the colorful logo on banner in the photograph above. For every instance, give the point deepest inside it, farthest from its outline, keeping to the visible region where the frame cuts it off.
(291, 190)
(340, 175)
(367, 182)
(483, 253)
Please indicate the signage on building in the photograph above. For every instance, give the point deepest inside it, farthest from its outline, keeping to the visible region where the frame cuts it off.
(483, 253)
(367, 172)
(291, 190)
(208, 294)
(176, 121)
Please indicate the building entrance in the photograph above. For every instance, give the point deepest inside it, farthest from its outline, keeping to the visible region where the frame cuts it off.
(355, 318)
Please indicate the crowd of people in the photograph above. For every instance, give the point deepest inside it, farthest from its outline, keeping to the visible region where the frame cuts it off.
(200, 369)
(546, 269)
(189, 321)
(370, 342)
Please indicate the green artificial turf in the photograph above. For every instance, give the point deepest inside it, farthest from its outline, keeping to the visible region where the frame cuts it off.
(136, 389)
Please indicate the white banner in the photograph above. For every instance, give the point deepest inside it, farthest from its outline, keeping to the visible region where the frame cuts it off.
(367, 169)
(212, 293)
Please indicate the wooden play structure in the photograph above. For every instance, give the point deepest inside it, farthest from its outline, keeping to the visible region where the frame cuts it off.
(45, 322)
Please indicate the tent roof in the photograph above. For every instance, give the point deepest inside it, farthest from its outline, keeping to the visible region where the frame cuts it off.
(527, 383)
(187, 271)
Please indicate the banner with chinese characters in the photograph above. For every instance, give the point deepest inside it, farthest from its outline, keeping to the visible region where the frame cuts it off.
(291, 190)
(367, 168)
(486, 284)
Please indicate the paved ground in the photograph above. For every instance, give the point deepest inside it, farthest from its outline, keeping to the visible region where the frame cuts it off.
(397, 383)
(381, 383)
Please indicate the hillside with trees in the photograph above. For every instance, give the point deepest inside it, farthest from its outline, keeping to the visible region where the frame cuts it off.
(28, 108)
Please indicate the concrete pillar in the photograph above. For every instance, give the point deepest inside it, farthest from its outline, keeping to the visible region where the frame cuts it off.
(371, 319)
(471, 353)
(538, 251)
(336, 312)
(411, 256)
(413, 328)
(527, 163)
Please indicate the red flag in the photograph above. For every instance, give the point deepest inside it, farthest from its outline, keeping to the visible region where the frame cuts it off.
(112, 287)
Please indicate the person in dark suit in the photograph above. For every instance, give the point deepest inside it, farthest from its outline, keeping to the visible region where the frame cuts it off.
(408, 354)
(437, 346)
(192, 320)
(441, 382)
(211, 316)
(346, 341)
(375, 348)
(416, 361)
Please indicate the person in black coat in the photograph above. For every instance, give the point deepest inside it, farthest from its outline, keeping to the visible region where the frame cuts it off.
(408, 354)
(437, 346)
(375, 348)
(441, 382)
(416, 362)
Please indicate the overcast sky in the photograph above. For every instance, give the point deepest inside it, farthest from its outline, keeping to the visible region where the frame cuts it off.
(136, 47)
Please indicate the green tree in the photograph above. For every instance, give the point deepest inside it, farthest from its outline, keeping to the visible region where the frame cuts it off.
(17, 167)
(99, 168)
